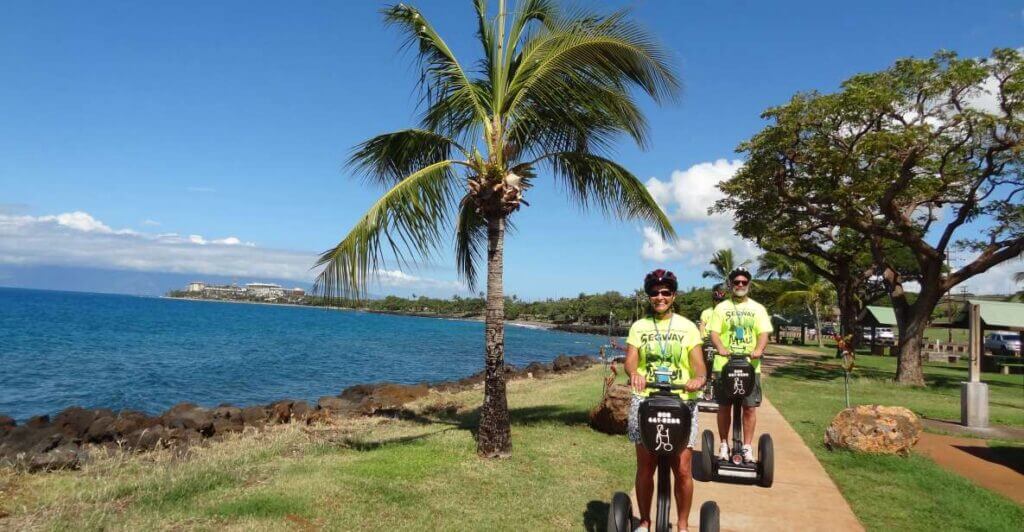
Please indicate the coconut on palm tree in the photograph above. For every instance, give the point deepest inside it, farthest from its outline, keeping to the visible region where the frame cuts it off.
(810, 290)
(549, 95)
(723, 262)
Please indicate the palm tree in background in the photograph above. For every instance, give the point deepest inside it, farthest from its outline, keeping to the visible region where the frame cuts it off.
(773, 265)
(811, 290)
(723, 262)
(550, 93)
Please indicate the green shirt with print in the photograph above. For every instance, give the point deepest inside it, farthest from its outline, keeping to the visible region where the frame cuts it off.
(739, 325)
(679, 337)
(705, 319)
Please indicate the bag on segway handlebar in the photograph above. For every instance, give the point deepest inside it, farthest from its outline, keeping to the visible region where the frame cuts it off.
(664, 424)
(737, 378)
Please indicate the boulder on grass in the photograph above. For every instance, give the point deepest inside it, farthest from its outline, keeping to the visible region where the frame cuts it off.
(67, 456)
(874, 429)
(561, 363)
(612, 413)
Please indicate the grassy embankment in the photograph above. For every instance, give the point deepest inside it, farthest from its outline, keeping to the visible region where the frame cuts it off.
(371, 474)
(894, 493)
(422, 473)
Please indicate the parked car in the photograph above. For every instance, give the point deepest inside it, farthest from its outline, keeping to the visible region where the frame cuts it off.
(1003, 343)
(828, 330)
(885, 334)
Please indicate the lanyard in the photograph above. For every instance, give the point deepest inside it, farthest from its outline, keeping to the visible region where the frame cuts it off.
(663, 342)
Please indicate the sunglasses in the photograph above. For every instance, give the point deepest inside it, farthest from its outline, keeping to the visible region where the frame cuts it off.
(662, 293)
(740, 283)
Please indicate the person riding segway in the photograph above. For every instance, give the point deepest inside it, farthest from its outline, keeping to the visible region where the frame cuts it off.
(666, 371)
(707, 400)
(740, 326)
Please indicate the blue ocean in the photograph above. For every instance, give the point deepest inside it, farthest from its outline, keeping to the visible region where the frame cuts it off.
(59, 349)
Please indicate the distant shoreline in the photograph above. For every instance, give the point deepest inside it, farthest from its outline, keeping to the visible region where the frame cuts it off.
(517, 323)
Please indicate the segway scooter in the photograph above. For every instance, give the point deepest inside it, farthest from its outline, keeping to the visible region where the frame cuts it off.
(707, 401)
(737, 382)
(665, 431)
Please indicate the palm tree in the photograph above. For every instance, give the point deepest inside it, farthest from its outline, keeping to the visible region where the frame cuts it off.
(723, 262)
(812, 291)
(775, 265)
(551, 92)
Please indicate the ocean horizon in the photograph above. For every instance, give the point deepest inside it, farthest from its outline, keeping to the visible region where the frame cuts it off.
(147, 353)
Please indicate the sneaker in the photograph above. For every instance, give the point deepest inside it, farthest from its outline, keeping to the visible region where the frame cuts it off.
(748, 454)
(723, 451)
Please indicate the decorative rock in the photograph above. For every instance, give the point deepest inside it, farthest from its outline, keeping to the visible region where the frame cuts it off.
(874, 429)
(612, 413)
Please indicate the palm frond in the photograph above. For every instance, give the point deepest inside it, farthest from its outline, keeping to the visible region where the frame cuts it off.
(409, 218)
(442, 77)
(470, 241)
(611, 51)
(387, 159)
(594, 181)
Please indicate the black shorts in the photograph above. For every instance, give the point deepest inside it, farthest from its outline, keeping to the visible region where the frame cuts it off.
(754, 399)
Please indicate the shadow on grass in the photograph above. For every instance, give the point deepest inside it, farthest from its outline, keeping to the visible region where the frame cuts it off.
(818, 369)
(1011, 457)
(595, 517)
(533, 415)
(358, 444)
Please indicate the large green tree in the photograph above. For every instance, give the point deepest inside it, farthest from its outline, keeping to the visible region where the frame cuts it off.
(550, 94)
(924, 155)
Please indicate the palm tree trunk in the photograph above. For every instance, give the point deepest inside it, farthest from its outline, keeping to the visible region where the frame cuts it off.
(817, 323)
(494, 434)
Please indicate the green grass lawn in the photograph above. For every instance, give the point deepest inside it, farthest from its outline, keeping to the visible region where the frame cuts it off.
(892, 493)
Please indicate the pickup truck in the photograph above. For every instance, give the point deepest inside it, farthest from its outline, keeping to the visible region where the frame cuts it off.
(1003, 343)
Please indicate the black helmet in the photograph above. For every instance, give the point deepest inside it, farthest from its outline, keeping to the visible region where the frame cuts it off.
(718, 293)
(660, 276)
(740, 271)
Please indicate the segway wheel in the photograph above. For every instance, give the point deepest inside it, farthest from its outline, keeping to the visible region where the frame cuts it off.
(620, 513)
(707, 454)
(709, 517)
(765, 461)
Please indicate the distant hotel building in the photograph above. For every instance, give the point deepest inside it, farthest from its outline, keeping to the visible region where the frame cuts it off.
(257, 290)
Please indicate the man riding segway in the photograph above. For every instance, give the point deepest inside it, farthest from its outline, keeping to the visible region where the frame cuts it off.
(707, 402)
(740, 325)
(664, 347)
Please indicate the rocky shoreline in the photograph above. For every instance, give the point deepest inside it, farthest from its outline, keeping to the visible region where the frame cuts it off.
(65, 441)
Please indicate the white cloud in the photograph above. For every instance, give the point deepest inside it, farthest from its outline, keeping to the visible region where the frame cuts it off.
(688, 193)
(78, 239)
(697, 247)
(686, 196)
(997, 280)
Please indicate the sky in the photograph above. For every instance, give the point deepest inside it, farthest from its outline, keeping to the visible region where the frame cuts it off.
(209, 138)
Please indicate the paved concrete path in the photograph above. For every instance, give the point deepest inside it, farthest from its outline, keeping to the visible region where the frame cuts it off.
(803, 496)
